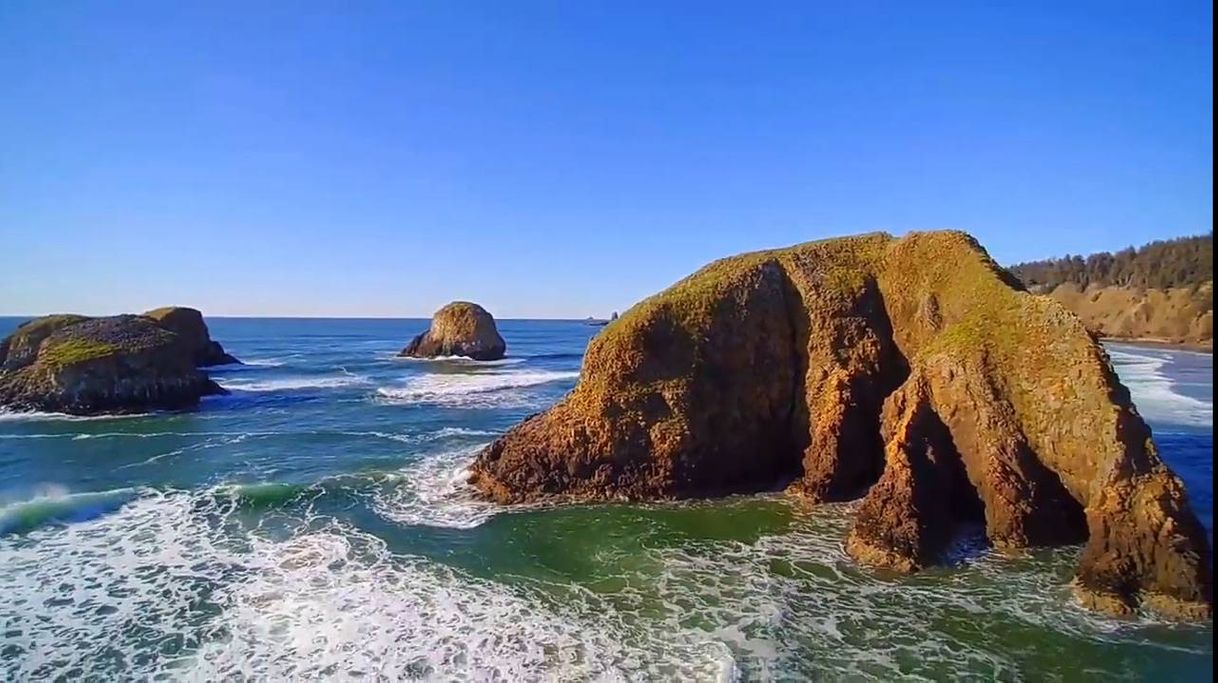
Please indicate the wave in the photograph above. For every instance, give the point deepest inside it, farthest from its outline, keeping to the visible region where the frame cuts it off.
(435, 491)
(325, 599)
(469, 389)
(1153, 391)
(34, 415)
(264, 362)
(54, 504)
(463, 360)
(557, 356)
(293, 383)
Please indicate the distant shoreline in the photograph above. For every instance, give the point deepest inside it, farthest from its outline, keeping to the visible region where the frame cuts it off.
(1157, 343)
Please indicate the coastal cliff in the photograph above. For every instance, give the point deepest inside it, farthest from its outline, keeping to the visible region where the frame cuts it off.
(913, 372)
(1161, 292)
(1179, 315)
(126, 363)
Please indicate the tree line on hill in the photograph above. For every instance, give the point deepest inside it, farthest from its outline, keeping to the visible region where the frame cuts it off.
(1181, 262)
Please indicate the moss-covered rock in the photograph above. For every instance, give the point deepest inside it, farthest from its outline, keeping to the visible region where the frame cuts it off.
(913, 372)
(188, 322)
(459, 329)
(80, 365)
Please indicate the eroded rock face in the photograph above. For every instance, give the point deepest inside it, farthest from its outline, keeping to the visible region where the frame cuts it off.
(459, 329)
(188, 323)
(80, 365)
(913, 372)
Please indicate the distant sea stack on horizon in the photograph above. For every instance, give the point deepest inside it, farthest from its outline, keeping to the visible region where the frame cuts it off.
(83, 365)
(867, 367)
(460, 328)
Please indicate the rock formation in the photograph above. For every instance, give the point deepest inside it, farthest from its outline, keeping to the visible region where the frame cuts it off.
(188, 322)
(913, 372)
(459, 329)
(80, 365)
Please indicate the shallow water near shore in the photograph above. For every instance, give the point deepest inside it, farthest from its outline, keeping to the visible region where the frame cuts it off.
(315, 522)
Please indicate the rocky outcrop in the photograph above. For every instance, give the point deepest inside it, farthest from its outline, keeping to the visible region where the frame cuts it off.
(1183, 315)
(188, 323)
(913, 372)
(80, 365)
(459, 329)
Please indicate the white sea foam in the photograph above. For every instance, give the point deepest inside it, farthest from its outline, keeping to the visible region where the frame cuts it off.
(472, 389)
(31, 416)
(160, 587)
(1153, 392)
(264, 362)
(461, 360)
(173, 586)
(435, 491)
(293, 383)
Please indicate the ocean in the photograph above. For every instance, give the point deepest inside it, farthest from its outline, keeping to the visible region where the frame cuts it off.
(315, 523)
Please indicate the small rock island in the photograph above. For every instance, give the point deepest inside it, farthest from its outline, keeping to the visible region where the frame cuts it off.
(460, 328)
(126, 363)
(912, 372)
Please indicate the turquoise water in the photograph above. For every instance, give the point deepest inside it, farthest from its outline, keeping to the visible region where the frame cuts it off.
(315, 523)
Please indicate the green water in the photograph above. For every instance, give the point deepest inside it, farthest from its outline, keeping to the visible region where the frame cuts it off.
(315, 523)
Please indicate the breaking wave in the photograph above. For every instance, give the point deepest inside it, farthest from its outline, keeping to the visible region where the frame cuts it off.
(293, 383)
(1154, 392)
(471, 389)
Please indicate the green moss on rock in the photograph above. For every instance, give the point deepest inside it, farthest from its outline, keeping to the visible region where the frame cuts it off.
(914, 372)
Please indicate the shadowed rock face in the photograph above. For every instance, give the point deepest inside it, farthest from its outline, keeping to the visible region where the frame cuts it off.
(188, 322)
(459, 329)
(913, 372)
(80, 365)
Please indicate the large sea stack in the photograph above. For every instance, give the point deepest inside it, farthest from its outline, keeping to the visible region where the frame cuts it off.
(126, 363)
(459, 329)
(913, 372)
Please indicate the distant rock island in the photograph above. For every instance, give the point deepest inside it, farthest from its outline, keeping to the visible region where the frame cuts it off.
(460, 328)
(1162, 292)
(913, 372)
(127, 363)
(600, 322)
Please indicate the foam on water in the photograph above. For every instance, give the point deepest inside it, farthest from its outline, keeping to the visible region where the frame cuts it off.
(292, 383)
(264, 362)
(462, 360)
(478, 389)
(1153, 392)
(173, 585)
(435, 491)
(33, 416)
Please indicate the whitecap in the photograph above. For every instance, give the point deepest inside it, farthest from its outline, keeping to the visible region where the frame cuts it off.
(173, 586)
(264, 362)
(462, 360)
(1152, 390)
(470, 389)
(435, 491)
(55, 503)
(292, 383)
(34, 415)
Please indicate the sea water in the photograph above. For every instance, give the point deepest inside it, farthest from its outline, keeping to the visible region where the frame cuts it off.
(316, 523)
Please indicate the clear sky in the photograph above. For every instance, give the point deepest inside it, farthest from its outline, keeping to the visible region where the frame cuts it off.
(565, 159)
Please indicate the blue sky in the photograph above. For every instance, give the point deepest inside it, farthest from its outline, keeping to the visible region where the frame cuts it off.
(565, 159)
